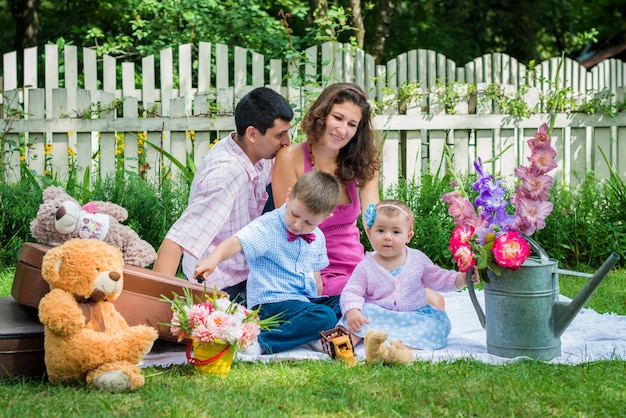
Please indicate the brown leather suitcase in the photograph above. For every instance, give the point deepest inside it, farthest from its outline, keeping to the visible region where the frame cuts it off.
(21, 341)
(139, 302)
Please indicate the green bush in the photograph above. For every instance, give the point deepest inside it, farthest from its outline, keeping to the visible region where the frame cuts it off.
(18, 206)
(587, 224)
(151, 209)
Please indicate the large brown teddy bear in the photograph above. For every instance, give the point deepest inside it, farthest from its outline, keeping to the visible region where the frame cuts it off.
(378, 349)
(60, 218)
(85, 337)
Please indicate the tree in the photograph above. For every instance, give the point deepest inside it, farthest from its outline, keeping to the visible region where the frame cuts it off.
(26, 16)
(384, 14)
(356, 21)
(459, 29)
(465, 29)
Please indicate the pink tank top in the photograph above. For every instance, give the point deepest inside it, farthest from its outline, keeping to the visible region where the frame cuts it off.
(343, 238)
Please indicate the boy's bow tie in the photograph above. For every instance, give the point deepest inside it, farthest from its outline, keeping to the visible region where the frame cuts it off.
(307, 237)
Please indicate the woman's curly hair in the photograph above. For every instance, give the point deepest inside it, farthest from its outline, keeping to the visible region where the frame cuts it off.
(359, 160)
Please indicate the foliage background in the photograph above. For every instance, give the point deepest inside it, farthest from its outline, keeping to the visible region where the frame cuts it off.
(460, 29)
(586, 225)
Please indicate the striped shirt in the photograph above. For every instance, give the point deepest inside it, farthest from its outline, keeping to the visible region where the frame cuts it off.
(227, 192)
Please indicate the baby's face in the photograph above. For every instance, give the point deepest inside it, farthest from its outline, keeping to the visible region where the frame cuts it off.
(389, 234)
(299, 219)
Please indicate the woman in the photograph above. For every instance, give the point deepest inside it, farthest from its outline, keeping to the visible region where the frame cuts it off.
(340, 140)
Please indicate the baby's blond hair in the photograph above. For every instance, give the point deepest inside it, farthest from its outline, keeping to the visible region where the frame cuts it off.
(392, 207)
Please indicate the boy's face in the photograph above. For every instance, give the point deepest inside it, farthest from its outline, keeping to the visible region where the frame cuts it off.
(299, 219)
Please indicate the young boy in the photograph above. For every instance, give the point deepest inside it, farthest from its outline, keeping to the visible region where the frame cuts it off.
(285, 251)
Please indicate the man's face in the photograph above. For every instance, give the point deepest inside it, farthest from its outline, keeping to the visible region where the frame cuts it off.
(266, 146)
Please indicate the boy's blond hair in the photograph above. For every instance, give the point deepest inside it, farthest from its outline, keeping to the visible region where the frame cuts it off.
(318, 191)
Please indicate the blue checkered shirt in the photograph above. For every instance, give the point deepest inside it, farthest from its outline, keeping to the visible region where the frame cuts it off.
(280, 270)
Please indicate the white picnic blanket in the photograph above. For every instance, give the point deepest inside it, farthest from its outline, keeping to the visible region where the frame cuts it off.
(591, 336)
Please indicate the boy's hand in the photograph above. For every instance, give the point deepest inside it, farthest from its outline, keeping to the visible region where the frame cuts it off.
(203, 269)
(355, 320)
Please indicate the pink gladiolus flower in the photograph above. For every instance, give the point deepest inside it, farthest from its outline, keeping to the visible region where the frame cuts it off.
(540, 139)
(532, 212)
(543, 160)
(534, 187)
(197, 314)
(464, 258)
(461, 208)
(510, 250)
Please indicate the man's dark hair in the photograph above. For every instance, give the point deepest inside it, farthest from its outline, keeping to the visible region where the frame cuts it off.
(260, 108)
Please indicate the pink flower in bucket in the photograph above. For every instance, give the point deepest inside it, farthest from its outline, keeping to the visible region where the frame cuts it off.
(216, 319)
(490, 234)
(510, 250)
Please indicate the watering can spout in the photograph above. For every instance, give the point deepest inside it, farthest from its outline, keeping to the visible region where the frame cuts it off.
(563, 312)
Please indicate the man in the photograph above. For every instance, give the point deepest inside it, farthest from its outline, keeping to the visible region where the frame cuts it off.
(228, 191)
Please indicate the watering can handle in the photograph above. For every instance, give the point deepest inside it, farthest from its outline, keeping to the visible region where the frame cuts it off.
(472, 293)
(543, 256)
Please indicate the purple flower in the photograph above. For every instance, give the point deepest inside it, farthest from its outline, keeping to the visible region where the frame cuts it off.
(491, 198)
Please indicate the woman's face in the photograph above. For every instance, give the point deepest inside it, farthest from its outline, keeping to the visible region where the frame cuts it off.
(341, 124)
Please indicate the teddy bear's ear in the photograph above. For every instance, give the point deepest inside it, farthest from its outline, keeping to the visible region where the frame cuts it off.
(51, 264)
(53, 192)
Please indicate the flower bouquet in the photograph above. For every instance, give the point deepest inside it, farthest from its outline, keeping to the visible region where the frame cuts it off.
(214, 325)
(489, 233)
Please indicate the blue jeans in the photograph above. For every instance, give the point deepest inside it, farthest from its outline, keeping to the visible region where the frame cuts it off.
(301, 322)
(237, 292)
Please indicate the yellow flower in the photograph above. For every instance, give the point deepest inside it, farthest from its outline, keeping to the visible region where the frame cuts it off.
(71, 152)
(70, 133)
(47, 149)
(22, 158)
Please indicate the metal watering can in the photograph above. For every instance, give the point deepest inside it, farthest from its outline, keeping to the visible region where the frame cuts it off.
(523, 316)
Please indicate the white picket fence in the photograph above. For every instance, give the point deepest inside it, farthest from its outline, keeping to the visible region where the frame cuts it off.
(77, 125)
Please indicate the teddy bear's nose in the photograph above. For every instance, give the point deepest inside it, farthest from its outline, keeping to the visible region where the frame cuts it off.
(61, 212)
(115, 276)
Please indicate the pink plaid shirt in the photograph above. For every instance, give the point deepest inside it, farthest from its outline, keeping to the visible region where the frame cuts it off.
(227, 192)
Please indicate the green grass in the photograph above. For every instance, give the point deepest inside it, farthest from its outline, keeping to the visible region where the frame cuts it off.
(324, 389)
(610, 297)
(314, 388)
